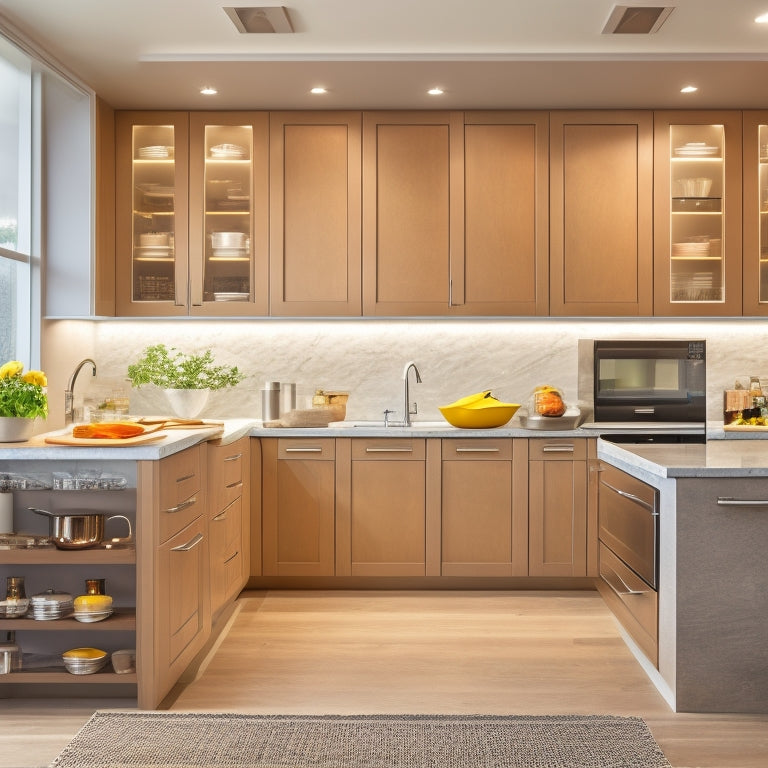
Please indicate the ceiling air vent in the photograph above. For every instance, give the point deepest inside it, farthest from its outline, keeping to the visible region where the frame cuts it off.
(636, 20)
(260, 20)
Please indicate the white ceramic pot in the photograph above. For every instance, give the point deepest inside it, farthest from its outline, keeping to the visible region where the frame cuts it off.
(14, 429)
(187, 403)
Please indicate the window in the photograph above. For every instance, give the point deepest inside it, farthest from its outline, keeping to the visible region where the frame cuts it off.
(15, 204)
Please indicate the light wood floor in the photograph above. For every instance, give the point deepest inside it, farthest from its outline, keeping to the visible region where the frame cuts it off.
(418, 652)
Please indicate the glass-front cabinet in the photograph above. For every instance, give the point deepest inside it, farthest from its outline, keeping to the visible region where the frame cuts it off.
(697, 213)
(151, 218)
(755, 213)
(192, 213)
(229, 213)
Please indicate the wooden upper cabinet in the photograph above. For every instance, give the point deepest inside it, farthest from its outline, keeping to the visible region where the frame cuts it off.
(601, 213)
(315, 213)
(502, 268)
(411, 162)
(755, 213)
(697, 216)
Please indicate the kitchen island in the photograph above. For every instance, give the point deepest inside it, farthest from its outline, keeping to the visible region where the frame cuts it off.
(713, 579)
(186, 497)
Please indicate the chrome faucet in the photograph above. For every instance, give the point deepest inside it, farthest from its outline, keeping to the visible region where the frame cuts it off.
(407, 412)
(69, 392)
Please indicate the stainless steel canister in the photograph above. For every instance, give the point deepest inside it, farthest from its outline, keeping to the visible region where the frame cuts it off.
(270, 401)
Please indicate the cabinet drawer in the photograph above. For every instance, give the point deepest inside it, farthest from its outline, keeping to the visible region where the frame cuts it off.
(226, 468)
(300, 448)
(388, 449)
(181, 605)
(181, 494)
(557, 449)
(632, 601)
(477, 448)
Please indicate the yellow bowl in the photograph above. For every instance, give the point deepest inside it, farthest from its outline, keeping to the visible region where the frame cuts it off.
(481, 414)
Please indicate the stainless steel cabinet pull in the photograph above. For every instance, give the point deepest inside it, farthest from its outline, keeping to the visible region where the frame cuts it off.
(221, 516)
(631, 496)
(183, 505)
(232, 557)
(626, 589)
(558, 449)
(389, 450)
(303, 450)
(236, 484)
(189, 545)
(234, 458)
(477, 450)
(729, 501)
(185, 478)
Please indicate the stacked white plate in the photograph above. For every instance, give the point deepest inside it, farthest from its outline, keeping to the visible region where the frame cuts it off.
(232, 296)
(228, 151)
(51, 605)
(696, 149)
(229, 240)
(691, 249)
(155, 152)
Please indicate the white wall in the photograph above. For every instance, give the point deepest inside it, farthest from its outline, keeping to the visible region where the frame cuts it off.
(366, 357)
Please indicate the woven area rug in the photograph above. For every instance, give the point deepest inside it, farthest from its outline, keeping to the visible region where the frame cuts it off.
(199, 740)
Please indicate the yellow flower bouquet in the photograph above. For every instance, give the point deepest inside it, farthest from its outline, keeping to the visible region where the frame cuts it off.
(22, 395)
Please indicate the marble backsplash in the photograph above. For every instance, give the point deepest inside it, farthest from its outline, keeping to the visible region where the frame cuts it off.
(367, 357)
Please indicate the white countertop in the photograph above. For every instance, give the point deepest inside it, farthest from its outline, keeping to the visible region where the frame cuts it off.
(175, 440)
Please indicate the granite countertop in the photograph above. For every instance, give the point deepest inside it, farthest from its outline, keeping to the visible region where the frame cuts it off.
(716, 458)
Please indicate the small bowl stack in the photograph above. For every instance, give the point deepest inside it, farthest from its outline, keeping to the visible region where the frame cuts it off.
(14, 607)
(90, 608)
(84, 661)
(51, 605)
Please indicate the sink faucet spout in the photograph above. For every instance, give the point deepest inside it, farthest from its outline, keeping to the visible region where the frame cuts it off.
(407, 410)
(69, 392)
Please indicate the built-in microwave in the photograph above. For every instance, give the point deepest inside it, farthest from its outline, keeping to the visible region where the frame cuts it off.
(659, 380)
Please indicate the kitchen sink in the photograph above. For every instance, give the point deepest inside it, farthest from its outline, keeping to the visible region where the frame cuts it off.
(416, 425)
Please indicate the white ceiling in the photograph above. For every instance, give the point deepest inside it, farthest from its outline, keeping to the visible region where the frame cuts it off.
(370, 54)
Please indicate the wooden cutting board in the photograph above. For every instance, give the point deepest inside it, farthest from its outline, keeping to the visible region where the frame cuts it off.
(104, 442)
(745, 428)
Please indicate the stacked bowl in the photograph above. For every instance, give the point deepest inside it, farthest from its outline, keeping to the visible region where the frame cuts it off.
(50, 605)
(84, 661)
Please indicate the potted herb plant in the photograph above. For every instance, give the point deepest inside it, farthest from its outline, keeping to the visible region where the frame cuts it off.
(186, 379)
(23, 399)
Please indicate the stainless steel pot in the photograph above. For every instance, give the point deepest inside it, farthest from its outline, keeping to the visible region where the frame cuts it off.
(81, 530)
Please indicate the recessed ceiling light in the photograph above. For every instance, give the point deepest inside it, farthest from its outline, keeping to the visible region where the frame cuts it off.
(762, 18)
(435, 91)
(689, 89)
(208, 91)
(318, 89)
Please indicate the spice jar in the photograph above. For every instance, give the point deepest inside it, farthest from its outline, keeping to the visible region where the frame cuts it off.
(95, 586)
(16, 602)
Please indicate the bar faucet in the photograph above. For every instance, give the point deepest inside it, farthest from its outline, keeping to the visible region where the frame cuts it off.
(407, 412)
(69, 392)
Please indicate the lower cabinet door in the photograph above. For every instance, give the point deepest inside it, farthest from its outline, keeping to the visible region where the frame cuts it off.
(557, 507)
(182, 608)
(298, 510)
(388, 508)
(481, 534)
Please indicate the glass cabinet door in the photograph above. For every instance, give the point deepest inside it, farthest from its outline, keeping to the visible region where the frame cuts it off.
(151, 214)
(756, 213)
(228, 164)
(154, 213)
(697, 252)
(696, 177)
